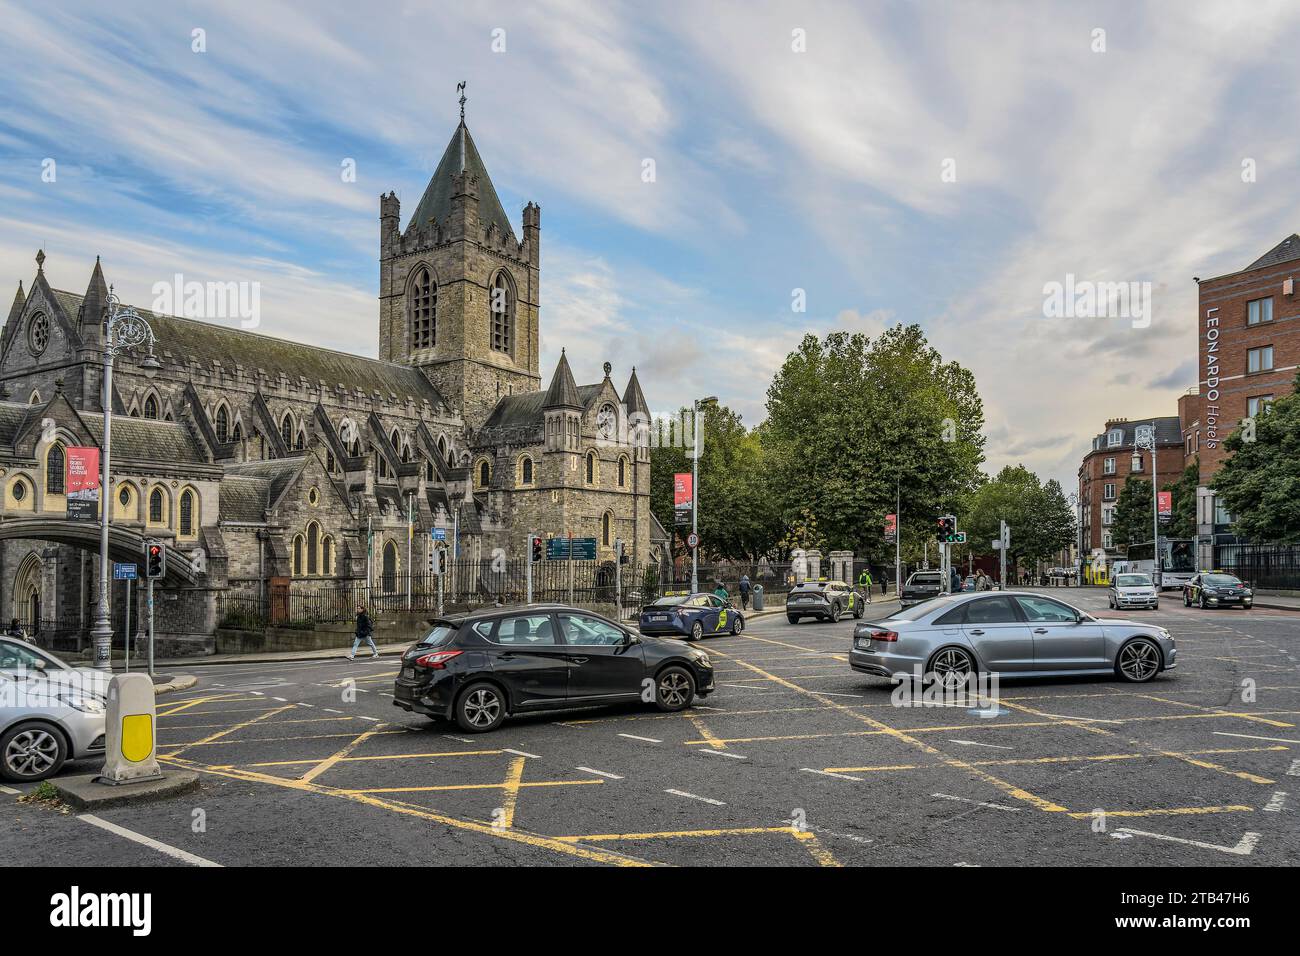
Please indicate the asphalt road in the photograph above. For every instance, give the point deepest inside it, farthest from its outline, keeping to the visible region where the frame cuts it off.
(796, 760)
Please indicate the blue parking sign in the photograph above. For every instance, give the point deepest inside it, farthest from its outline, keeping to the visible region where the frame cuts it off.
(124, 571)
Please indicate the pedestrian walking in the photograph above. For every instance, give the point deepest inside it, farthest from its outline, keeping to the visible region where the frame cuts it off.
(955, 580)
(15, 630)
(720, 592)
(365, 630)
(744, 592)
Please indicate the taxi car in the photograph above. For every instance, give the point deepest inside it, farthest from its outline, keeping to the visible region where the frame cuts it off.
(1217, 589)
(824, 600)
(692, 616)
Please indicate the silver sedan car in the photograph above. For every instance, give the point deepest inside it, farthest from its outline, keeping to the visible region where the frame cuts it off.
(1013, 634)
(49, 712)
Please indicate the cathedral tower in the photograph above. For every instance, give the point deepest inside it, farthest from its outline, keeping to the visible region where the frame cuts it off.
(458, 292)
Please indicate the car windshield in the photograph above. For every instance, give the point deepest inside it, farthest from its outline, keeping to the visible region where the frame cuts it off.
(1133, 581)
(440, 635)
(924, 577)
(1222, 580)
(16, 655)
(925, 608)
(670, 601)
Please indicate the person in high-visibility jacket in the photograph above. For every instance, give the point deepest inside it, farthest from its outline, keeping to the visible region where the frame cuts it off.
(864, 582)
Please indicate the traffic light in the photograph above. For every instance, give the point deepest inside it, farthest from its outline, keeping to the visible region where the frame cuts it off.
(946, 530)
(438, 559)
(155, 564)
(537, 548)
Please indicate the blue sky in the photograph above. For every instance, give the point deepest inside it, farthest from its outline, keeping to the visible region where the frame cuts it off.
(776, 170)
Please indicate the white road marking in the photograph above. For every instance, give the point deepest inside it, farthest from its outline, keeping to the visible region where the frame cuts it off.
(301, 704)
(174, 852)
(364, 717)
(1295, 769)
(826, 773)
(723, 753)
(649, 740)
(990, 806)
(599, 773)
(1090, 720)
(464, 740)
(704, 707)
(1276, 802)
(1281, 740)
(520, 753)
(280, 699)
(695, 796)
(976, 743)
(1244, 848)
(10, 790)
(827, 693)
(331, 710)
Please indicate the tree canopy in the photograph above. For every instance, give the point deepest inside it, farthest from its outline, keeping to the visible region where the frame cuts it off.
(1259, 483)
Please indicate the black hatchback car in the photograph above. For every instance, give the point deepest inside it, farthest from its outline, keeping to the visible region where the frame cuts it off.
(479, 668)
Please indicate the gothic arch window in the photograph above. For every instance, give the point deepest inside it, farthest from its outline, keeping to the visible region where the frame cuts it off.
(428, 469)
(501, 304)
(300, 442)
(607, 529)
(526, 470)
(221, 425)
(327, 555)
(313, 544)
(286, 430)
(54, 465)
(483, 474)
(238, 433)
(622, 471)
(591, 468)
(423, 298)
(34, 398)
(389, 582)
(297, 555)
(188, 518)
(330, 464)
(157, 507)
(126, 502)
(383, 465)
(151, 407)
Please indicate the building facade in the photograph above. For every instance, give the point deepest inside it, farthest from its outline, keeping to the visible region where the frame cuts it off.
(257, 458)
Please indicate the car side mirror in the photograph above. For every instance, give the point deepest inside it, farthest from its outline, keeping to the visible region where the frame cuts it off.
(630, 639)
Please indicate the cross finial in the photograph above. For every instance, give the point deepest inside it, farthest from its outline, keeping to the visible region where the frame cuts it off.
(460, 88)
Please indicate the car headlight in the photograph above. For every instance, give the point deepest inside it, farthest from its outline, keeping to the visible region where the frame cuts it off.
(87, 705)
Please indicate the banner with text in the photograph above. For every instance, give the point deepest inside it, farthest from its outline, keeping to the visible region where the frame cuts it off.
(82, 484)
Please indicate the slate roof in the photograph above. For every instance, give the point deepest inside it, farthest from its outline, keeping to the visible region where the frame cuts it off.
(190, 339)
(244, 498)
(633, 398)
(1169, 431)
(133, 438)
(1288, 250)
(461, 156)
(516, 411)
(564, 390)
(275, 472)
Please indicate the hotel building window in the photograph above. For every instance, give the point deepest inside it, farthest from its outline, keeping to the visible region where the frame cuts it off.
(1259, 310)
(1260, 359)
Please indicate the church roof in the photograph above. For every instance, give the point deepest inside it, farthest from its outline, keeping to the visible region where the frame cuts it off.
(515, 411)
(563, 391)
(275, 473)
(461, 156)
(134, 439)
(192, 340)
(1287, 250)
(244, 498)
(634, 399)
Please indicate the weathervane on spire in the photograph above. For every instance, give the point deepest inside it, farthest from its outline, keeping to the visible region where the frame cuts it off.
(460, 88)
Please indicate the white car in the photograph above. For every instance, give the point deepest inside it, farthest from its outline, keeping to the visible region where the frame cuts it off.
(50, 713)
(1133, 590)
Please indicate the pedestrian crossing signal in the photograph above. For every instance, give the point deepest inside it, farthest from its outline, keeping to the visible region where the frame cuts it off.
(537, 548)
(155, 564)
(946, 531)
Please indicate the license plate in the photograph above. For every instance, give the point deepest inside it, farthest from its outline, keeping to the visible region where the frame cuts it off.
(658, 617)
(408, 672)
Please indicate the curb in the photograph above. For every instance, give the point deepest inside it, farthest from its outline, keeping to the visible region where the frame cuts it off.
(82, 793)
(179, 682)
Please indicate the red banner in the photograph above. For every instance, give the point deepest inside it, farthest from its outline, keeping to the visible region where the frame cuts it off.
(891, 526)
(682, 491)
(82, 484)
(1165, 503)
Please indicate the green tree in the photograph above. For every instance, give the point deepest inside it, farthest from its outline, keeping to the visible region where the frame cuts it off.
(1059, 528)
(1259, 483)
(1132, 521)
(853, 421)
(1183, 522)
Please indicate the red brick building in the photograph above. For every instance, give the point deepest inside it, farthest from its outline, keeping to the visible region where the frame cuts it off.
(1248, 339)
(1104, 470)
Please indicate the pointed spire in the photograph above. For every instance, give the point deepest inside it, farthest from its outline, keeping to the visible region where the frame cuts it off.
(96, 299)
(16, 310)
(634, 399)
(563, 392)
(461, 158)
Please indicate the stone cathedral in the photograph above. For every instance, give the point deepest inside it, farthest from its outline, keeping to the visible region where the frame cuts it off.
(257, 458)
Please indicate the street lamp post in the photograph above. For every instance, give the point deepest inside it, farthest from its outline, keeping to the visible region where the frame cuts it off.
(124, 329)
(1077, 502)
(695, 489)
(1148, 441)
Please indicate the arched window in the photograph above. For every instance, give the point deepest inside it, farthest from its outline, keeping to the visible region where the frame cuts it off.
(428, 469)
(156, 507)
(591, 467)
(34, 398)
(331, 465)
(389, 582)
(54, 470)
(327, 555)
(423, 297)
(286, 430)
(502, 305)
(238, 433)
(151, 406)
(383, 465)
(222, 425)
(607, 529)
(301, 442)
(297, 555)
(526, 470)
(484, 473)
(622, 471)
(313, 542)
(187, 512)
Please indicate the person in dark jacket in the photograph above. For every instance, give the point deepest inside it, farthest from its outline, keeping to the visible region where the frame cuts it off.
(744, 592)
(365, 630)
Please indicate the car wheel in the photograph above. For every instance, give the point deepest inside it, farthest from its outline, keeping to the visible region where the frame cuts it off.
(697, 631)
(792, 619)
(1138, 661)
(1110, 603)
(674, 689)
(737, 625)
(1156, 606)
(480, 707)
(31, 752)
(1201, 602)
(950, 666)
(835, 613)
(859, 609)
(1187, 599)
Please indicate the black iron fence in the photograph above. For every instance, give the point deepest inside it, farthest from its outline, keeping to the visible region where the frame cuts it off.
(1268, 566)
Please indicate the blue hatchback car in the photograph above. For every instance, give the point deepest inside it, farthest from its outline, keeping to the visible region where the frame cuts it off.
(691, 616)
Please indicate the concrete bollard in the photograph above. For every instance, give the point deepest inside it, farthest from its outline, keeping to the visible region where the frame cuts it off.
(130, 731)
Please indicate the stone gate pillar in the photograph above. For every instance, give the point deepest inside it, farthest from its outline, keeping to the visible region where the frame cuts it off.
(814, 559)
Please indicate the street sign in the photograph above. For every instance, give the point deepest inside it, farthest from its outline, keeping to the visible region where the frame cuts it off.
(960, 538)
(565, 549)
(997, 545)
(438, 534)
(682, 518)
(124, 571)
(692, 540)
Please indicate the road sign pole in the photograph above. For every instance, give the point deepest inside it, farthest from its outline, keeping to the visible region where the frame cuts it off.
(149, 602)
(618, 577)
(528, 573)
(442, 573)
(1002, 554)
(570, 567)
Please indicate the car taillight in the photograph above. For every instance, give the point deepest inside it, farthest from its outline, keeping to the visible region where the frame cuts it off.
(880, 634)
(437, 660)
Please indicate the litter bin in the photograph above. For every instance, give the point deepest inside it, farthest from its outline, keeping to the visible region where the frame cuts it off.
(758, 597)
